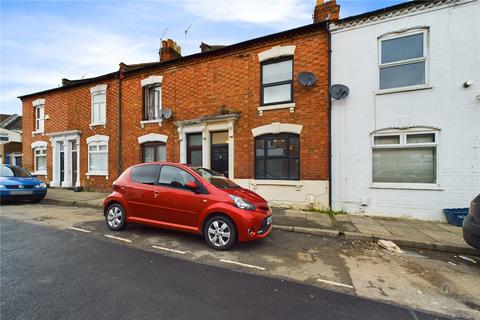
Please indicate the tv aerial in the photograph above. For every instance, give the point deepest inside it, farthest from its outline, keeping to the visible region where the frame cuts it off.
(307, 79)
(167, 113)
(339, 91)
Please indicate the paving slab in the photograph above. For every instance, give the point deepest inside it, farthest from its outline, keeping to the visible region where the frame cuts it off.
(374, 230)
(321, 219)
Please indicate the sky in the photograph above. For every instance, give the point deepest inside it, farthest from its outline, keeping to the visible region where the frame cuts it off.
(42, 42)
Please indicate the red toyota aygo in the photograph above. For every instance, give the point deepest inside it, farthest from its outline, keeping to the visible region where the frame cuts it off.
(191, 199)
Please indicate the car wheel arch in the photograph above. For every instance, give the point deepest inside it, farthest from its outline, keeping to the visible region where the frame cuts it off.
(212, 214)
(109, 203)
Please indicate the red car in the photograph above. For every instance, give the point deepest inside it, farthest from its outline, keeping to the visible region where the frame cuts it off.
(192, 199)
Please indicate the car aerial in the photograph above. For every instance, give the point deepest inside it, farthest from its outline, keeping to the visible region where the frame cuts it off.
(16, 183)
(191, 199)
(471, 224)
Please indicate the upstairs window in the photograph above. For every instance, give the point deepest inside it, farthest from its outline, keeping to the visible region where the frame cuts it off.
(152, 102)
(99, 101)
(39, 118)
(277, 157)
(277, 81)
(409, 157)
(403, 60)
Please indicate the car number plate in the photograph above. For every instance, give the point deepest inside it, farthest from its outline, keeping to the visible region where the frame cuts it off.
(14, 193)
(269, 220)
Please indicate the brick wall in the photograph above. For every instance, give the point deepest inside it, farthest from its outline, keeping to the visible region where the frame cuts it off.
(193, 90)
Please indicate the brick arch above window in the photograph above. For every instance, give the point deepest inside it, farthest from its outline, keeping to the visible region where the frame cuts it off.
(97, 138)
(39, 144)
(277, 127)
(276, 52)
(152, 137)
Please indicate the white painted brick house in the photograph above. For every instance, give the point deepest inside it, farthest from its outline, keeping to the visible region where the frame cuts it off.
(406, 141)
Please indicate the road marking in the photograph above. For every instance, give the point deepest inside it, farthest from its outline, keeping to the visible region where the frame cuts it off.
(171, 250)
(335, 283)
(243, 264)
(117, 238)
(78, 229)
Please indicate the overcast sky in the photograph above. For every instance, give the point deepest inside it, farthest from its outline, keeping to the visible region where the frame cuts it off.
(45, 41)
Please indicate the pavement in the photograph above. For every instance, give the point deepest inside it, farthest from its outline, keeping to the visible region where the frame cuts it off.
(422, 281)
(403, 232)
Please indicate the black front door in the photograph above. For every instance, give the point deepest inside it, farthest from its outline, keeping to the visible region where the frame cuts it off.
(219, 159)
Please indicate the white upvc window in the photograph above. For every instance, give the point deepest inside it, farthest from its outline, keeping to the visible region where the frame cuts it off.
(405, 157)
(99, 105)
(39, 118)
(152, 102)
(40, 160)
(97, 155)
(403, 60)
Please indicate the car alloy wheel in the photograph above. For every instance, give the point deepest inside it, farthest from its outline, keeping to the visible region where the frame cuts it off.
(115, 217)
(220, 233)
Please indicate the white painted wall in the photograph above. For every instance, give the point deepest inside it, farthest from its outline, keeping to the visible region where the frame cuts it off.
(454, 57)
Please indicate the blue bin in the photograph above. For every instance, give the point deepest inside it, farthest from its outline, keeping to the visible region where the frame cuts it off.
(455, 216)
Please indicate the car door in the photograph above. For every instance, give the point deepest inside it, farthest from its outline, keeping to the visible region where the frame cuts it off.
(140, 192)
(176, 204)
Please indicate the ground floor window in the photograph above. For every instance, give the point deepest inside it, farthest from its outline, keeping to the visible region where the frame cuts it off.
(154, 151)
(405, 157)
(40, 161)
(277, 157)
(98, 158)
(194, 149)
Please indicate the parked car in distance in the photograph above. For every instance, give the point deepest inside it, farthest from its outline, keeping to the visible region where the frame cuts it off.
(471, 224)
(191, 199)
(16, 183)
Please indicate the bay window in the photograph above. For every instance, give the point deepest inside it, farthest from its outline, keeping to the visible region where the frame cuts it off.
(277, 157)
(409, 157)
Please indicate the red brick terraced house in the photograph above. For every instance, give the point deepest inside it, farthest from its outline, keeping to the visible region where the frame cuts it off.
(237, 109)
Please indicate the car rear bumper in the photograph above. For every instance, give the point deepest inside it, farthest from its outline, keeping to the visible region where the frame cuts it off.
(471, 232)
(17, 195)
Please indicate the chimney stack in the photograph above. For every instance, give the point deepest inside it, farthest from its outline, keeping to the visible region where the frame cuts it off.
(326, 11)
(169, 50)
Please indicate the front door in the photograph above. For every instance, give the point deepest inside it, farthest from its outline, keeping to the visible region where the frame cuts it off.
(219, 152)
(62, 163)
(73, 145)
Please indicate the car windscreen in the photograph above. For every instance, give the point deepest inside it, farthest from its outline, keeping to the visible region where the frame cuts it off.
(13, 171)
(217, 179)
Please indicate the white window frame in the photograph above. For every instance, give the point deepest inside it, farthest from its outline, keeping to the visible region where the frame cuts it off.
(154, 81)
(43, 153)
(97, 141)
(40, 120)
(98, 90)
(404, 144)
(425, 58)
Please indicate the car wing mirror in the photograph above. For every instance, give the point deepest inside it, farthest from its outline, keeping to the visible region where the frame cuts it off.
(191, 185)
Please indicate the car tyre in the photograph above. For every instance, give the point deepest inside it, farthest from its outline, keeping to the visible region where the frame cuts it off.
(115, 217)
(220, 232)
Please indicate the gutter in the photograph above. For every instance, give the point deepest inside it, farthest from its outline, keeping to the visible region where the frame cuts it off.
(329, 48)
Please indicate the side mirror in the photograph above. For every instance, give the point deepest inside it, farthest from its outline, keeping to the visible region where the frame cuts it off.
(191, 185)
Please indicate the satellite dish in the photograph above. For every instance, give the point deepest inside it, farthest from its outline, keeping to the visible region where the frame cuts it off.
(339, 91)
(167, 113)
(307, 79)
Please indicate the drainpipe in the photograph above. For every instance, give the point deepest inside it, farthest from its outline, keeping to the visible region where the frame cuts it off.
(120, 76)
(329, 46)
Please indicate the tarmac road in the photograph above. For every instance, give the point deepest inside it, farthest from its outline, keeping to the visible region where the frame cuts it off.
(47, 273)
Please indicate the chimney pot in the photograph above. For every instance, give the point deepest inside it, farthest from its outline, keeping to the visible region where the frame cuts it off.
(169, 50)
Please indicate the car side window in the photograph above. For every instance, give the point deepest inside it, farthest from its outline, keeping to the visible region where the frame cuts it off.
(174, 177)
(146, 174)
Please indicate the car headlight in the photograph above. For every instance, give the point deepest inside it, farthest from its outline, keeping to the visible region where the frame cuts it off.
(41, 186)
(241, 203)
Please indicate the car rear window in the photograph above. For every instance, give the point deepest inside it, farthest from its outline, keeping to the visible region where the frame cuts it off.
(146, 174)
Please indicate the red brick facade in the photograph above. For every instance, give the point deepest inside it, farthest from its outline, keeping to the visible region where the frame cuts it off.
(194, 87)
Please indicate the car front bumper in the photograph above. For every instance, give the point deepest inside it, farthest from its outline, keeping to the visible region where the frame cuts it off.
(257, 226)
(471, 232)
(17, 195)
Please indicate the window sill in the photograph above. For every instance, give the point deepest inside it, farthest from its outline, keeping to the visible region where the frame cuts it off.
(403, 89)
(144, 122)
(97, 125)
(406, 186)
(293, 183)
(37, 132)
(290, 106)
(39, 173)
(97, 173)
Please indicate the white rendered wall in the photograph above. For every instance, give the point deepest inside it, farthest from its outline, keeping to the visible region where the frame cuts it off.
(454, 57)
